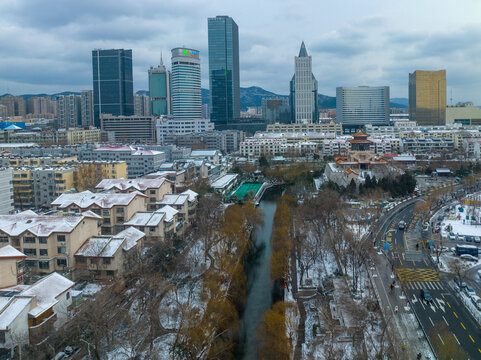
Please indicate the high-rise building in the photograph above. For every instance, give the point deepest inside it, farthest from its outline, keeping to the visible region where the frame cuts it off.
(361, 105)
(224, 70)
(186, 86)
(303, 90)
(113, 83)
(41, 105)
(427, 97)
(276, 110)
(87, 107)
(141, 105)
(159, 90)
(68, 111)
(16, 105)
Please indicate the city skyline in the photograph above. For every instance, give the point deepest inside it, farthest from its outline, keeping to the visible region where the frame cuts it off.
(353, 44)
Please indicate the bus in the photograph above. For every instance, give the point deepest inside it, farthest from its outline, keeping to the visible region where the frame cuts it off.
(466, 249)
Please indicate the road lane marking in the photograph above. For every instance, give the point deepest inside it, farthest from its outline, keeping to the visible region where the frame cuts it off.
(455, 314)
(440, 338)
(448, 303)
(471, 338)
(431, 320)
(442, 296)
(445, 321)
(464, 327)
(457, 339)
(426, 262)
(479, 350)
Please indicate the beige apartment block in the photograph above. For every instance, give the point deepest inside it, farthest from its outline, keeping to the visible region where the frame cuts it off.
(328, 127)
(106, 257)
(48, 241)
(466, 114)
(11, 266)
(154, 189)
(114, 208)
(156, 225)
(427, 97)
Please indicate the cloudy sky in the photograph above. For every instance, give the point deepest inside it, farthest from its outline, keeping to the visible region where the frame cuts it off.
(46, 45)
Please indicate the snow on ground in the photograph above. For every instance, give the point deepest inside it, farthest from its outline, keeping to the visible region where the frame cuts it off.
(447, 262)
(91, 289)
(457, 220)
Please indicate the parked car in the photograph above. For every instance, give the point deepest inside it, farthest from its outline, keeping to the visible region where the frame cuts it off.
(469, 257)
(426, 296)
(401, 225)
(476, 300)
(459, 237)
(477, 239)
(469, 291)
(469, 238)
(461, 284)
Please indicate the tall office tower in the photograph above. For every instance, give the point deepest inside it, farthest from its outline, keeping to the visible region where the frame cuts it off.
(141, 105)
(113, 83)
(68, 111)
(159, 90)
(303, 90)
(16, 105)
(224, 70)
(87, 107)
(186, 89)
(358, 106)
(427, 97)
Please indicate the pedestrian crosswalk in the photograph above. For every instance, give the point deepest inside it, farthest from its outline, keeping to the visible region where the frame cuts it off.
(426, 285)
(417, 274)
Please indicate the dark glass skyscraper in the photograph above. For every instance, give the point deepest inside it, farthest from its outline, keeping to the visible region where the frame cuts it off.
(224, 70)
(113, 83)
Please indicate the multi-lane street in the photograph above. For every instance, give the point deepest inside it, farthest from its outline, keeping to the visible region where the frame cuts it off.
(450, 328)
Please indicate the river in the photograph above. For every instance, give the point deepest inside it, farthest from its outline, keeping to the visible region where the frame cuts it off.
(259, 285)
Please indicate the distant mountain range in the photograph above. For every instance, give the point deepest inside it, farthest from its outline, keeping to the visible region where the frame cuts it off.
(250, 96)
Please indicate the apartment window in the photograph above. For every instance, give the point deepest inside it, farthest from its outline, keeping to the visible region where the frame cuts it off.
(29, 240)
(152, 192)
(2, 338)
(42, 240)
(44, 264)
(61, 238)
(62, 250)
(68, 295)
(30, 252)
(81, 260)
(105, 212)
(110, 273)
(120, 219)
(106, 261)
(31, 263)
(152, 199)
(43, 252)
(62, 262)
(120, 210)
(3, 239)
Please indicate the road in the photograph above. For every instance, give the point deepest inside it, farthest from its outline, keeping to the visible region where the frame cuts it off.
(445, 320)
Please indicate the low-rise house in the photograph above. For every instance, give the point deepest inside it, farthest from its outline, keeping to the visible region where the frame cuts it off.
(11, 266)
(114, 208)
(48, 241)
(107, 257)
(154, 189)
(156, 224)
(225, 183)
(185, 203)
(212, 156)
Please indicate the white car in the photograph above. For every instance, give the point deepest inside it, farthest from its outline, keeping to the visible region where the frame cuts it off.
(476, 300)
(469, 291)
(477, 239)
(452, 237)
(469, 257)
(460, 237)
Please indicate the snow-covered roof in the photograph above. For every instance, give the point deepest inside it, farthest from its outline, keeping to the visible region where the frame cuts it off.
(140, 184)
(131, 236)
(86, 199)
(107, 246)
(9, 252)
(174, 199)
(46, 291)
(204, 153)
(192, 194)
(145, 218)
(169, 211)
(38, 225)
(116, 148)
(223, 181)
(12, 307)
(146, 152)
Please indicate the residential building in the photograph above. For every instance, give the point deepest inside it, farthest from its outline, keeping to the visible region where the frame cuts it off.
(48, 241)
(329, 127)
(3, 112)
(12, 263)
(186, 86)
(253, 147)
(87, 108)
(69, 111)
(139, 162)
(160, 90)
(427, 97)
(427, 145)
(114, 208)
(36, 187)
(223, 35)
(6, 191)
(109, 256)
(362, 105)
(75, 136)
(465, 114)
(154, 189)
(41, 105)
(167, 125)
(112, 83)
(141, 105)
(226, 140)
(127, 129)
(185, 203)
(225, 183)
(15, 105)
(303, 90)
(157, 225)
(276, 110)
(213, 156)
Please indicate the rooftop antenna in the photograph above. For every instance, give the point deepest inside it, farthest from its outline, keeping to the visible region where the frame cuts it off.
(161, 62)
(451, 96)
